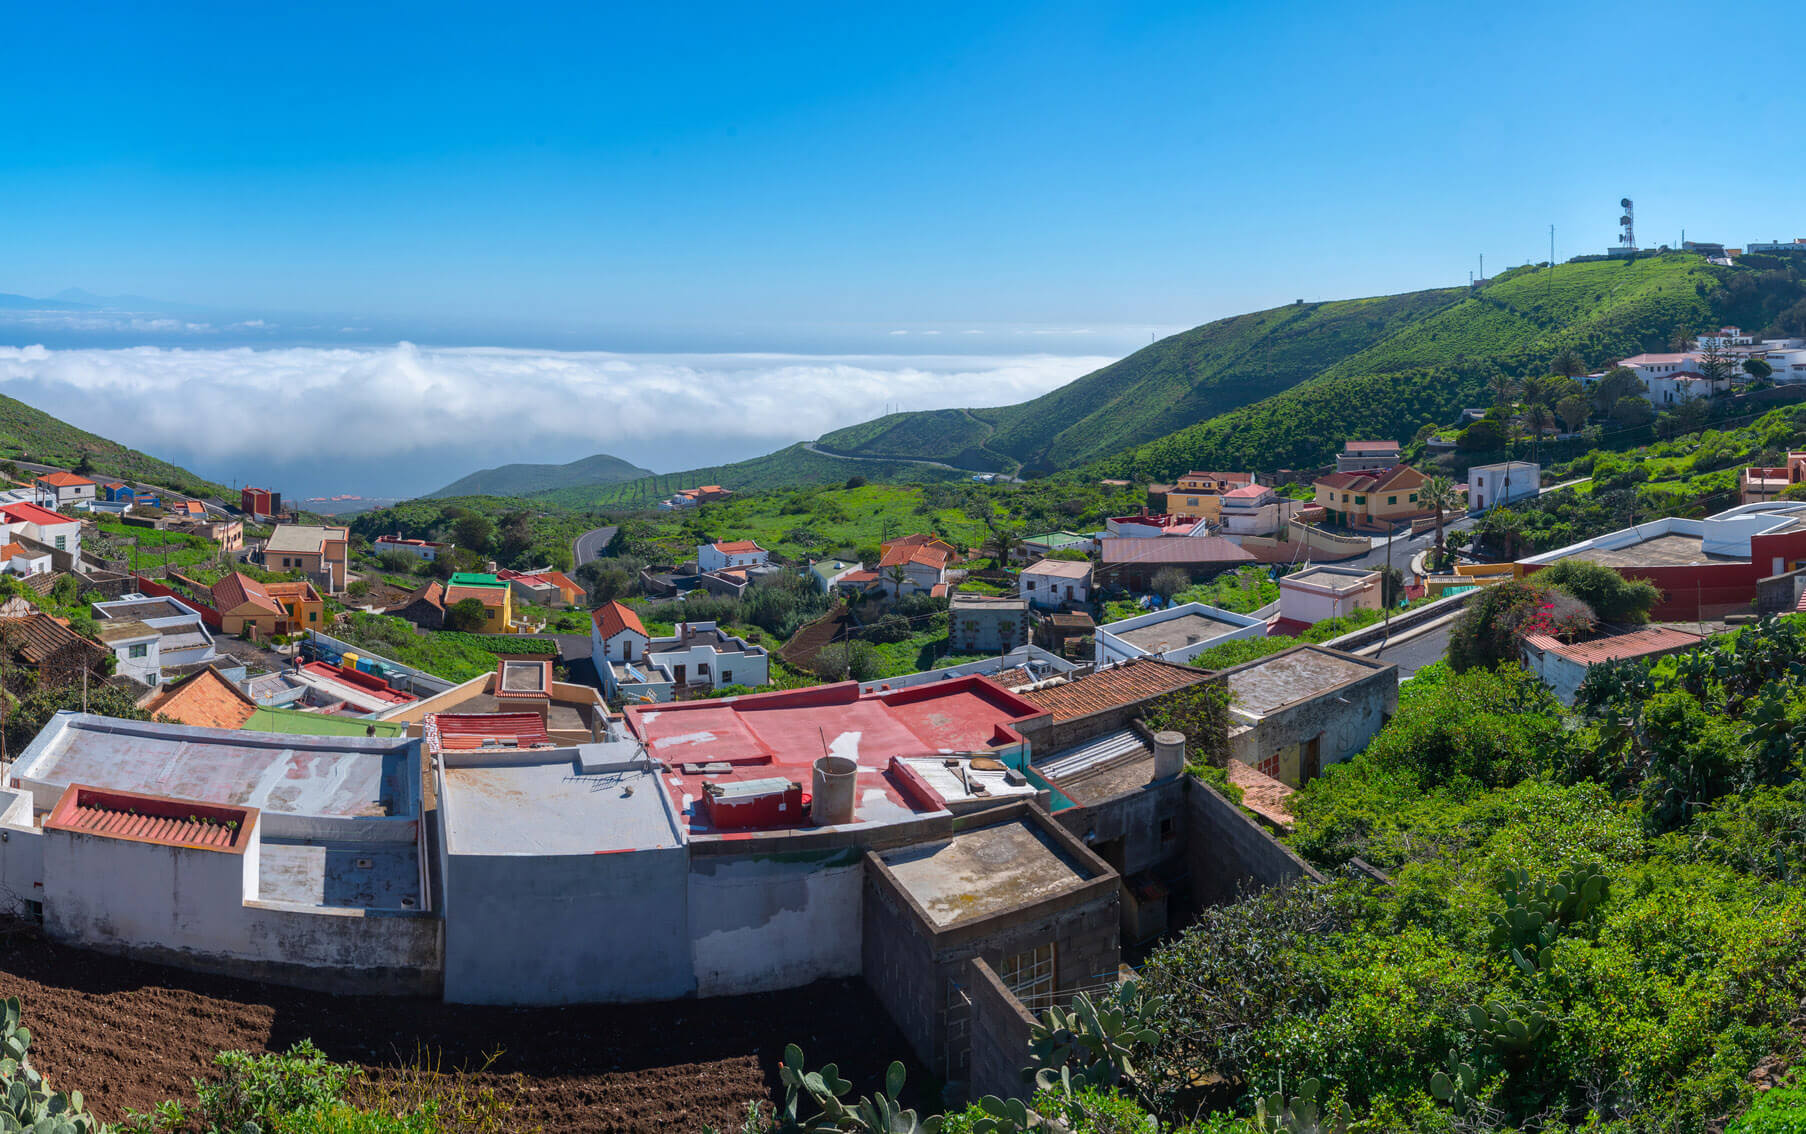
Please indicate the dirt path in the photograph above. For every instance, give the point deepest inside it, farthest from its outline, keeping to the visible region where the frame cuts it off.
(131, 1035)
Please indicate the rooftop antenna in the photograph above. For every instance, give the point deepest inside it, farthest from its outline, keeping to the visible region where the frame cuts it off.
(1627, 225)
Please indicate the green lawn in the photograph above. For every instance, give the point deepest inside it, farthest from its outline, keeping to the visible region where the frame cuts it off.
(153, 548)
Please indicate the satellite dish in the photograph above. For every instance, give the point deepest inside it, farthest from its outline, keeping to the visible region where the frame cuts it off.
(1625, 203)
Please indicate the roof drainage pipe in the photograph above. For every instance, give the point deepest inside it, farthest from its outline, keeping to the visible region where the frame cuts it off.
(835, 783)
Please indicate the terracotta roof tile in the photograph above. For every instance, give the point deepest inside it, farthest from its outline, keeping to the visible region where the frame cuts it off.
(1136, 681)
(488, 596)
(612, 617)
(737, 546)
(238, 589)
(204, 698)
(1635, 644)
(63, 480)
(35, 638)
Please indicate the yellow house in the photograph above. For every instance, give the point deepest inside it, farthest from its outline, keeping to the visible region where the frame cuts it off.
(1200, 494)
(266, 608)
(495, 595)
(1371, 497)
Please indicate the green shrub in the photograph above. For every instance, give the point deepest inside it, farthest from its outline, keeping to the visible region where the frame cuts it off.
(1780, 1111)
(261, 1089)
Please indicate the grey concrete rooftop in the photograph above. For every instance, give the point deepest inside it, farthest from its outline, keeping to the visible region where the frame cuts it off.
(377, 876)
(1176, 633)
(1295, 675)
(1335, 578)
(985, 871)
(1120, 776)
(1669, 550)
(542, 801)
(324, 776)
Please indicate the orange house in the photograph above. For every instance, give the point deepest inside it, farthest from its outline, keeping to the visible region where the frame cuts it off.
(266, 608)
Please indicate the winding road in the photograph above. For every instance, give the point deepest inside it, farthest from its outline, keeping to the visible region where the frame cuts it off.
(811, 446)
(591, 544)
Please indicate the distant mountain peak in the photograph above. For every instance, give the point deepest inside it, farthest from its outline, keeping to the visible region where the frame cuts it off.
(523, 479)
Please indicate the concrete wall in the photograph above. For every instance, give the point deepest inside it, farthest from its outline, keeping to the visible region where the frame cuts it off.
(1341, 720)
(1000, 1027)
(987, 628)
(21, 854)
(1562, 675)
(899, 969)
(566, 929)
(765, 921)
(1226, 851)
(1135, 817)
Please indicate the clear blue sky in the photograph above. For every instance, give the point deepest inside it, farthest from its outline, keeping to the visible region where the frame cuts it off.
(768, 164)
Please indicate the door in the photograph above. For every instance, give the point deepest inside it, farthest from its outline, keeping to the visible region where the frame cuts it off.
(1312, 763)
(677, 674)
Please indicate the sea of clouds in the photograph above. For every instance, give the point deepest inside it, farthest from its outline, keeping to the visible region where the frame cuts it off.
(444, 412)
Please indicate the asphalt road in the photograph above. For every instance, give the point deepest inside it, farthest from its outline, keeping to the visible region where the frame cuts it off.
(811, 446)
(1413, 655)
(589, 545)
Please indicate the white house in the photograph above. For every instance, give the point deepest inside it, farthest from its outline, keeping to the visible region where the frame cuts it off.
(1673, 389)
(700, 654)
(183, 638)
(722, 554)
(1320, 593)
(1145, 526)
(17, 559)
(424, 550)
(44, 526)
(1176, 634)
(1724, 339)
(1255, 509)
(1648, 366)
(1054, 583)
(923, 560)
(136, 647)
(1502, 483)
(60, 488)
(617, 634)
(1787, 362)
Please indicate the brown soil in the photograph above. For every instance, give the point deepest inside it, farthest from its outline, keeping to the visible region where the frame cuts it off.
(129, 1035)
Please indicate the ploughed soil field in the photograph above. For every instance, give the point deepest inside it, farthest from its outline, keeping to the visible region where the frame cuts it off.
(130, 1035)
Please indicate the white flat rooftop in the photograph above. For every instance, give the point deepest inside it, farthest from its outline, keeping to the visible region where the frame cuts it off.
(325, 776)
(542, 801)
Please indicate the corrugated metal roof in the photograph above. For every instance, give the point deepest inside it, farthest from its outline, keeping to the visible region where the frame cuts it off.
(1069, 761)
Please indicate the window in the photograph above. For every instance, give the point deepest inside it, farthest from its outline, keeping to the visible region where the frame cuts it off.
(1414, 498)
(1167, 831)
(1359, 500)
(141, 650)
(727, 676)
(1392, 500)
(1030, 976)
(62, 543)
(313, 616)
(1031, 584)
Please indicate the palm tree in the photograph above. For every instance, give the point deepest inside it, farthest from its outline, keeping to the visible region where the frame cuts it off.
(1568, 364)
(1573, 411)
(1537, 419)
(1002, 544)
(1502, 386)
(1439, 493)
(898, 576)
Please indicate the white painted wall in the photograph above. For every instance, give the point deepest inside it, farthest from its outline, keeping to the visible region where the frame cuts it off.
(758, 924)
(1050, 592)
(1312, 604)
(147, 669)
(709, 559)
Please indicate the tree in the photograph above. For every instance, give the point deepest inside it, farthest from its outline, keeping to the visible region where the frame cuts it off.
(604, 579)
(465, 614)
(856, 482)
(1483, 436)
(1002, 544)
(1691, 416)
(1538, 419)
(1392, 586)
(1573, 411)
(897, 576)
(1616, 383)
(1714, 364)
(1568, 364)
(1631, 412)
(1503, 386)
(1492, 627)
(1613, 597)
(473, 532)
(1758, 369)
(1169, 581)
(1439, 493)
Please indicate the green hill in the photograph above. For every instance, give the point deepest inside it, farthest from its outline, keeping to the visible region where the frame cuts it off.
(1163, 387)
(787, 468)
(522, 480)
(1428, 371)
(30, 434)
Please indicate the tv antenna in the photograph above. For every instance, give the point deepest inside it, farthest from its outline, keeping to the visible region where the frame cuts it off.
(1627, 226)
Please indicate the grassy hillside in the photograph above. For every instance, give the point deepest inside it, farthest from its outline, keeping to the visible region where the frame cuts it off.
(794, 467)
(1426, 372)
(32, 435)
(1166, 386)
(521, 480)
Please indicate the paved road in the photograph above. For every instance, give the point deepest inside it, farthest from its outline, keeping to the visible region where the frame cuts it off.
(590, 544)
(1415, 653)
(810, 445)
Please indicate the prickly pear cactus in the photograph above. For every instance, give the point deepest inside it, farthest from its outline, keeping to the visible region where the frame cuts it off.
(1507, 1030)
(26, 1101)
(1459, 1086)
(1303, 1114)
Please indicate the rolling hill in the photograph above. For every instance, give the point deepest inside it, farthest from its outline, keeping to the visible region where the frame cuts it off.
(30, 434)
(787, 468)
(522, 480)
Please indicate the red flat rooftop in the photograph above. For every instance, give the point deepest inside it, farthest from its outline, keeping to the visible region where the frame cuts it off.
(781, 735)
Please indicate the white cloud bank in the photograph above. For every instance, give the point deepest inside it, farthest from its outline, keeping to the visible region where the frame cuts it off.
(247, 408)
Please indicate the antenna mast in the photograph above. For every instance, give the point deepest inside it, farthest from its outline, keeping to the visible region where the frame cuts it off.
(1627, 225)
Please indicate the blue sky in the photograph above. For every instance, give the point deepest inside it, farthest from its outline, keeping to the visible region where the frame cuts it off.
(912, 205)
(787, 165)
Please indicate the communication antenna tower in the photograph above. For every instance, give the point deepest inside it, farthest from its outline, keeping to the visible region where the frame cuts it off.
(1627, 225)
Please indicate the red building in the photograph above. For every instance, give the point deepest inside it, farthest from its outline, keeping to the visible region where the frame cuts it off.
(259, 502)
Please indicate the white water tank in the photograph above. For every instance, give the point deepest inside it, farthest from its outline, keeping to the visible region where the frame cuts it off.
(1169, 754)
